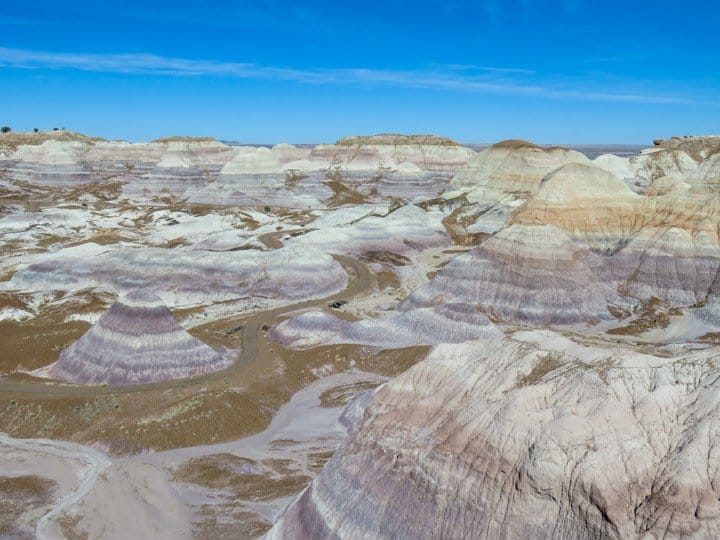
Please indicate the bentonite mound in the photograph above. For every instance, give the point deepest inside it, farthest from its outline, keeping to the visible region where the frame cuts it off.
(526, 274)
(446, 323)
(498, 180)
(593, 206)
(529, 436)
(513, 167)
(136, 341)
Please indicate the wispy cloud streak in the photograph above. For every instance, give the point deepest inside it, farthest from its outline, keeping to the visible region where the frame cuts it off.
(481, 79)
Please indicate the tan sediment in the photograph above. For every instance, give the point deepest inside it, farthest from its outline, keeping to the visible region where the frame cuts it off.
(34, 343)
(17, 495)
(220, 471)
(387, 279)
(653, 314)
(218, 407)
(710, 337)
(456, 224)
(344, 195)
(340, 395)
(31, 345)
(218, 411)
(103, 239)
(385, 257)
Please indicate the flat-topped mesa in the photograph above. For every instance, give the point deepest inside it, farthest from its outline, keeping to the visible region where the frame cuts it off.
(136, 341)
(9, 142)
(526, 274)
(396, 139)
(393, 152)
(677, 156)
(183, 138)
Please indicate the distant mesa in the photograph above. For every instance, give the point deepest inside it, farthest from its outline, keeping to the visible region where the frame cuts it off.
(396, 139)
(514, 144)
(181, 138)
(137, 341)
(9, 142)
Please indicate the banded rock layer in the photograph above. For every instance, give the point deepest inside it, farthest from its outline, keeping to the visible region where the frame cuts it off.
(51, 163)
(188, 276)
(71, 158)
(528, 274)
(591, 205)
(289, 176)
(136, 341)
(532, 436)
(514, 166)
(661, 242)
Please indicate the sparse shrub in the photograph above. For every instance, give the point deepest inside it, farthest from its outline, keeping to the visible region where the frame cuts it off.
(6, 129)
(36, 130)
(56, 129)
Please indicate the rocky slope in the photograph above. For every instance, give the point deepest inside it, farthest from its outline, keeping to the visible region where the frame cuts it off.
(527, 436)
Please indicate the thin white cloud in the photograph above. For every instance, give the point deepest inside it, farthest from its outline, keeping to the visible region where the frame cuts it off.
(457, 77)
(490, 69)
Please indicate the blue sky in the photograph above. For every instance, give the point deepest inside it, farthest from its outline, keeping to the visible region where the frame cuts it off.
(563, 71)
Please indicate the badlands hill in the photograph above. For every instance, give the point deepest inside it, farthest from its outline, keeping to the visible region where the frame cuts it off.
(205, 171)
(527, 436)
(136, 341)
(547, 327)
(534, 434)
